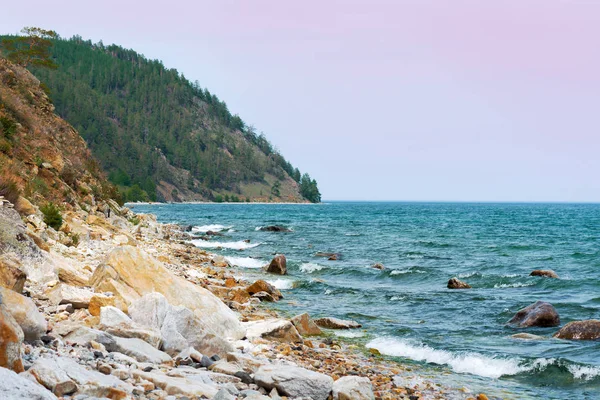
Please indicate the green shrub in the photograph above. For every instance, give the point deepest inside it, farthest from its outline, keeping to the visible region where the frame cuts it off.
(8, 127)
(52, 216)
(9, 190)
(39, 186)
(5, 146)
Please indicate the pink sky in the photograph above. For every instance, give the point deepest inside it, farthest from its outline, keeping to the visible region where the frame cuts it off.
(407, 100)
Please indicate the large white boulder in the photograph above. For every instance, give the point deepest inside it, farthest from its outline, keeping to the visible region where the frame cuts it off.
(294, 381)
(353, 388)
(16, 387)
(25, 312)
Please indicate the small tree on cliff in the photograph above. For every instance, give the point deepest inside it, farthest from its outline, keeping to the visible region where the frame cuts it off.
(32, 48)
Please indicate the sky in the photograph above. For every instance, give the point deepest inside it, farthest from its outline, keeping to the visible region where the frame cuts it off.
(417, 100)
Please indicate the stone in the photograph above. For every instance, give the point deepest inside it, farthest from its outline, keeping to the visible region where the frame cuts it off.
(329, 256)
(580, 330)
(98, 301)
(224, 394)
(294, 381)
(117, 323)
(378, 266)
(47, 372)
(455, 283)
(66, 294)
(25, 312)
(177, 385)
(24, 206)
(131, 273)
(353, 388)
(274, 228)
(225, 367)
(73, 276)
(18, 387)
(190, 354)
(11, 276)
(280, 330)
(11, 338)
(335, 323)
(263, 286)
(138, 349)
(278, 265)
(263, 296)
(548, 273)
(540, 314)
(305, 326)
(527, 336)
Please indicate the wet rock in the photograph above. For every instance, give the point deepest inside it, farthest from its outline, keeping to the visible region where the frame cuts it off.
(66, 294)
(263, 286)
(11, 337)
(276, 329)
(264, 296)
(538, 314)
(527, 336)
(275, 228)
(278, 265)
(17, 387)
(378, 266)
(329, 256)
(455, 283)
(116, 322)
(25, 312)
(335, 323)
(305, 325)
(548, 273)
(294, 381)
(353, 388)
(580, 330)
(47, 372)
(11, 276)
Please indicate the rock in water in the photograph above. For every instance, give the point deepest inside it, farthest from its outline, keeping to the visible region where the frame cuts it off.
(11, 337)
(11, 277)
(278, 265)
(25, 312)
(539, 313)
(378, 266)
(275, 228)
(262, 286)
(548, 273)
(294, 381)
(455, 283)
(353, 388)
(17, 387)
(580, 330)
(305, 325)
(335, 323)
(130, 273)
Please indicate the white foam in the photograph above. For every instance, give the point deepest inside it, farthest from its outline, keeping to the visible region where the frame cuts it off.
(282, 284)
(584, 372)
(353, 234)
(407, 271)
(309, 268)
(206, 228)
(245, 262)
(241, 245)
(512, 285)
(468, 274)
(472, 363)
(349, 334)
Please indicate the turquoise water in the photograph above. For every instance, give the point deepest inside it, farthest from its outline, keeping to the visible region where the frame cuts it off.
(406, 310)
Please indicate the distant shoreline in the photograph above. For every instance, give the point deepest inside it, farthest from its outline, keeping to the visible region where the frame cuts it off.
(155, 203)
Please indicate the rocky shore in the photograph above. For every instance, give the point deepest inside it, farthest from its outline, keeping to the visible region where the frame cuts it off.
(131, 310)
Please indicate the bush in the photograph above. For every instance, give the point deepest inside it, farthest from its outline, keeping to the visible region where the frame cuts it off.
(52, 216)
(9, 190)
(8, 127)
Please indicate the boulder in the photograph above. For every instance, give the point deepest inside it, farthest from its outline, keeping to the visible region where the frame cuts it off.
(135, 348)
(335, 323)
(275, 228)
(305, 325)
(24, 206)
(18, 387)
(98, 301)
(11, 337)
(66, 294)
(47, 373)
(329, 256)
(25, 312)
(117, 323)
(131, 273)
(294, 381)
(280, 330)
(548, 273)
(537, 314)
(455, 283)
(353, 388)
(11, 276)
(580, 330)
(527, 336)
(263, 286)
(378, 266)
(278, 265)
(71, 275)
(178, 385)
(264, 296)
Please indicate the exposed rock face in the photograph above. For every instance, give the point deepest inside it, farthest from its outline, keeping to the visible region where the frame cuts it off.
(263, 286)
(335, 323)
(275, 228)
(277, 329)
(455, 283)
(537, 314)
(17, 387)
(11, 277)
(11, 337)
(131, 273)
(294, 381)
(305, 325)
(278, 265)
(580, 330)
(548, 273)
(47, 372)
(65, 294)
(353, 388)
(25, 312)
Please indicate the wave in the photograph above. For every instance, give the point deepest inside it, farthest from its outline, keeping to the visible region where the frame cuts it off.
(282, 284)
(512, 285)
(468, 274)
(309, 268)
(407, 271)
(349, 334)
(241, 245)
(246, 262)
(213, 227)
(353, 234)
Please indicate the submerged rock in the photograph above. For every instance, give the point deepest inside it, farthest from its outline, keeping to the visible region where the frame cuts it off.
(539, 313)
(580, 330)
(278, 265)
(11, 337)
(305, 325)
(353, 388)
(455, 283)
(548, 273)
(527, 336)
(275, 228)
(294, 381)
(335, 323)
(378, 266)
(329, 256)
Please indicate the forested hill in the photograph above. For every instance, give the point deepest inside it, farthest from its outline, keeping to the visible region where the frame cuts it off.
(161, 137)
